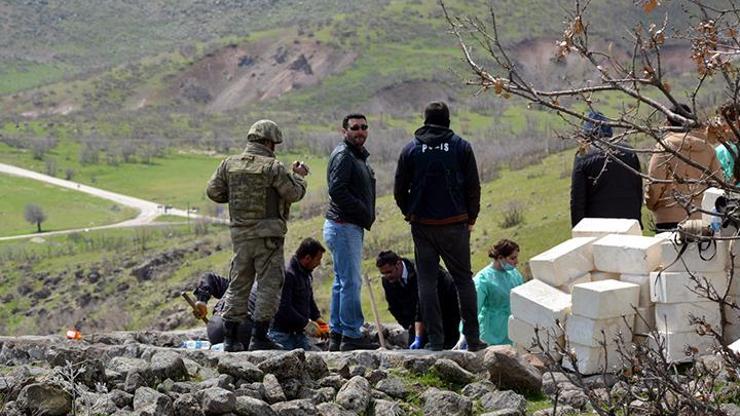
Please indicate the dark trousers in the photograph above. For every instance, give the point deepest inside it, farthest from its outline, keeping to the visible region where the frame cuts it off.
(452, 244)
(215, 329)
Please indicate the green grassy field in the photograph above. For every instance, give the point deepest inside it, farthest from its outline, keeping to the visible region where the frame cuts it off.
(64, 208)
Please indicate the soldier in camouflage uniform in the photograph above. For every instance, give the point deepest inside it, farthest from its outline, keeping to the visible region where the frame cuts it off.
(259, 190)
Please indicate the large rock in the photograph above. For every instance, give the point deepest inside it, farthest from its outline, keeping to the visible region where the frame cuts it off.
(478, 389)
(355, 395)
(153, 402)
(44, 399)
(500, 400)
(126, 365)
(316, 367)
(333, 409)
(168, 364)
(451, 372)
(509, 370)
(393, 386)
(217, 401)
(300, 407)
(285, 366)
(273, 390)
(249, 406)
(445, 403)
(187, 405)
(387, 408)
(239, 368)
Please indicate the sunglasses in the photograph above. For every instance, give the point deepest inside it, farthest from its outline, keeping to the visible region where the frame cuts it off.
(357, 127)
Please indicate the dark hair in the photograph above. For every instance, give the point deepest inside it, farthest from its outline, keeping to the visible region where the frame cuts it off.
(682, 110)
(309, 247)
(437, 113)
(386, 257)
(348, 117)
(503, 248)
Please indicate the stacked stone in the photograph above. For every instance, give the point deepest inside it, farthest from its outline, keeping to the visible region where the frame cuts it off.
(675, 295)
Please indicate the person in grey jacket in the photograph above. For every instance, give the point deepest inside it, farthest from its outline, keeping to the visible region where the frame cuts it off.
(351, 183)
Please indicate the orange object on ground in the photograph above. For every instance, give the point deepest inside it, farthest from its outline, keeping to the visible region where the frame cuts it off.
(74, 334)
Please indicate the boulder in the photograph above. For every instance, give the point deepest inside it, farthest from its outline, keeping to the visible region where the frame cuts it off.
(445, 403)
(387, 408)
(450, 372)
(239, 368)
(509, 370)
(187, 405)
(168, 364)
(273, 390)
(500, 400)
(393, 386)
(217, 401)
(44, 399)
(249, 406)
(152, 402)
(299, 407)
(355, 395)
(285, 366)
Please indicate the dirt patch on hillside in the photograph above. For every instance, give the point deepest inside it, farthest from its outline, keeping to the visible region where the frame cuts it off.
(239, 74)
(410, 96)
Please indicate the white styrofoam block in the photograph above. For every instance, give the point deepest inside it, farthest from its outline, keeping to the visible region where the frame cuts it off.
(539, 304)
(642, 280)
(731, 331)
(600, 227)
(605, 299)
(735, 285)
(735, 346)
(707, 203)
(522, 334)
(596, 276)
(564, 262)
(644, 320)
(696, 257)
(674, 317)
(678, 287)
(633, 254)
(675, 343)
(590, 332)
(568, 287)
(592, 360)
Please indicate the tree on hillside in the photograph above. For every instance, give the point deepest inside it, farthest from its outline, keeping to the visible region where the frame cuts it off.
(626, 77)
(34, 215)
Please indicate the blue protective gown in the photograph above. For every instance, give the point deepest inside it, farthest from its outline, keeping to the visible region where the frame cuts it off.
(493, 287)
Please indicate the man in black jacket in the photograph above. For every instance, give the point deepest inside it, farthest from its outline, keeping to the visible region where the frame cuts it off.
(213, 285)
(601, 187)
(351, 183)
(402, 294)
(437, 189)
(298, 314)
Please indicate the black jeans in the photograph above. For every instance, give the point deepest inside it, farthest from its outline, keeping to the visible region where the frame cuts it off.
(215, 329)
(452, 244)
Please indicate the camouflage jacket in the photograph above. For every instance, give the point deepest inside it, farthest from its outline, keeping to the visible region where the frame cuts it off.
(259, 190)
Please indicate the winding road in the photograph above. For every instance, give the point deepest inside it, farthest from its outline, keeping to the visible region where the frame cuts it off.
(148, 210)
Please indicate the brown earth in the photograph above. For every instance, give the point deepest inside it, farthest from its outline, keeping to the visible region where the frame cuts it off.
(239, 74)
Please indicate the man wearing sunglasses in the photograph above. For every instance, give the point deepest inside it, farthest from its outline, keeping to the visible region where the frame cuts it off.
(351, 211)
(437, 189)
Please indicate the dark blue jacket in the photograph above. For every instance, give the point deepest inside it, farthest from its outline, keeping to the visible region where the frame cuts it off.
(351, 183)
(297, 304)
(437, 179)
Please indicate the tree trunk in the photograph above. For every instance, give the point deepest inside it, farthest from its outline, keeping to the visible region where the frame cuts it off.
(38, 225)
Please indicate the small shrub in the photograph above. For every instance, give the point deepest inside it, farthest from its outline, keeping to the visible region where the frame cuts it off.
(513, 214)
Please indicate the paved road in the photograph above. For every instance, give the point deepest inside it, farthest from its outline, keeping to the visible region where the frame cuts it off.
(148, 210)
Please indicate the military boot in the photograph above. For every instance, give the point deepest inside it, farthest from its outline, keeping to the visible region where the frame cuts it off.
(231, 343)
(260, 340)
(336, 341)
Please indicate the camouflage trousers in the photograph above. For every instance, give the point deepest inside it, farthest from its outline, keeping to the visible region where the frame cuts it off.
(260, 260)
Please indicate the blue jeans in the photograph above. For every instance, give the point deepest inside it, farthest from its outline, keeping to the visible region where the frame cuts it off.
(345, 242)
(291, 341)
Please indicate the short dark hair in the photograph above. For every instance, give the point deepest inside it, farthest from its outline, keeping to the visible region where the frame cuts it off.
(437, 113)
(348, 117)
(309, 247)
(682, 110)
(503, 248)
(386, 257)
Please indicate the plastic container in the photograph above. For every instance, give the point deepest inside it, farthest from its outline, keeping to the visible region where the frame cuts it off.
(196, 344)
(218, 347)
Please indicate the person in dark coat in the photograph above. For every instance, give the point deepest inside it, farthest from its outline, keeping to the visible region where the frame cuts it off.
(213, 285)
(437, 188)
(298, 314)
(601, 187)
(402, 294)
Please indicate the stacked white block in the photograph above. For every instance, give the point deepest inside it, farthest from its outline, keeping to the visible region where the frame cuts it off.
(568, 287)
(597, 275)
(564, 263)
(732, 329)
(693, 256)
(643, 281)
(600, 227)
(522, 334)
(536, 304)
(602, 312)
(626, 254)
(707, 203)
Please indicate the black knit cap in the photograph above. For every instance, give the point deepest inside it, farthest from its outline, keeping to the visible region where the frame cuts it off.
(437, 113)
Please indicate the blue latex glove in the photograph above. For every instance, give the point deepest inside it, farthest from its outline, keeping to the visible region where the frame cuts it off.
(417, 344)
